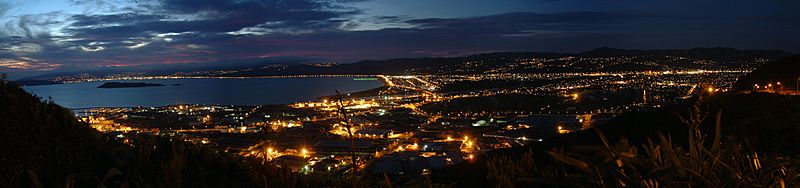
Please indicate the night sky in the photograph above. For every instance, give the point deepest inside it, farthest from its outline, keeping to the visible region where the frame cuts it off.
(40, 36)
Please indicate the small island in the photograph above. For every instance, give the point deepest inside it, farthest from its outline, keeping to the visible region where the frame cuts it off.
(128, 84)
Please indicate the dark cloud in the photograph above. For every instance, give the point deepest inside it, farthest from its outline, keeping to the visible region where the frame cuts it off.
(212, 16)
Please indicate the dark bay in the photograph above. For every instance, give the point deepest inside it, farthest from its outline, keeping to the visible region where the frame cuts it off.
(227, 91)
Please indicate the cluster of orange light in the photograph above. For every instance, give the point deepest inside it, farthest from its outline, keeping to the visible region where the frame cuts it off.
(769, 86)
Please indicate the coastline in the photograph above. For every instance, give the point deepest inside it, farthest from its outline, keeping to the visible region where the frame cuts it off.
(210, 77)
(363, 93)
(350, 86)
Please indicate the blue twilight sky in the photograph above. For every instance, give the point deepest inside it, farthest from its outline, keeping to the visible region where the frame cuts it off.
(40, 36)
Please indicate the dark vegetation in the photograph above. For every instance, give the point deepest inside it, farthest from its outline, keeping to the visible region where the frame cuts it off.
(728, 140)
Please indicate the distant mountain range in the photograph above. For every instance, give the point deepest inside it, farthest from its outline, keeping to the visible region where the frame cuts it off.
(601, 59)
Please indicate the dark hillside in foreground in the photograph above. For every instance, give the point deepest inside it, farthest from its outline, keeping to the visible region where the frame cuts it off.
(761, 122)
(785, 70)
(44, 141)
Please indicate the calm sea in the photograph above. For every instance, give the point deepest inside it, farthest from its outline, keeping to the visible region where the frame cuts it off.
(230, 91)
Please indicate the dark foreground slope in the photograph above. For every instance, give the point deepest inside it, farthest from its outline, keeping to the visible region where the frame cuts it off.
(751, 126)
(786, 71)
(44, 145)
(42, 141)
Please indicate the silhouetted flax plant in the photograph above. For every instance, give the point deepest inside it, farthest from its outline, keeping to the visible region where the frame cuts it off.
(658, 163)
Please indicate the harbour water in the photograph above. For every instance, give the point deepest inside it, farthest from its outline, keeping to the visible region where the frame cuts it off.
(223, 91)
